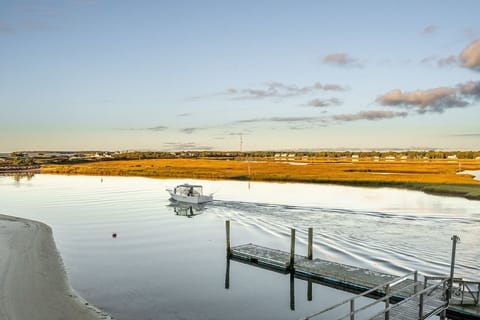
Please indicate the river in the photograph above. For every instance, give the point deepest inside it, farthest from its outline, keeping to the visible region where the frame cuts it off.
(168, 264)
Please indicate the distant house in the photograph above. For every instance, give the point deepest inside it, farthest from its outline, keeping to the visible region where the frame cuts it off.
(403, 158)
(355, 157)
(291, 156)
(390, 158)
(452, 157)
(477, 158)
(376, 158)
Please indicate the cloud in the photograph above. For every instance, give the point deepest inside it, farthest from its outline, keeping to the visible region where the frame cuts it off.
(157, 128)
(189, 130)
(471, 134)
(430, 29)
(441, 62)
(433, 100)
(470, 89)
(369, 115)
(341, 59)
(323, 102)
(280, 119)
(6, 28)
(448, 61)
(183, 114)
(470, 56)
(280, 90)
(185, 146)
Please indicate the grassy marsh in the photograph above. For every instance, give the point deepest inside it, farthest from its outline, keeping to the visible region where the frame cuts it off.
(434, 176)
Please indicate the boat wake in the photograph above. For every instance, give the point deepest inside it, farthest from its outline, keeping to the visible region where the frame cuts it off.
(393, 242)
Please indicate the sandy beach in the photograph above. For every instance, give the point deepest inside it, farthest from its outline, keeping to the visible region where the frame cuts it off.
(33, 281)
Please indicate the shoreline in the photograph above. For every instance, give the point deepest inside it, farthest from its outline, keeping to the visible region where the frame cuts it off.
(33, 281)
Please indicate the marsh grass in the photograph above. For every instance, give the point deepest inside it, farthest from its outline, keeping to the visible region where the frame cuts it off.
(436, 176)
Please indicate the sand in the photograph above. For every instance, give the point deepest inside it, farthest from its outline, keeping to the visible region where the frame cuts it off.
(33, 281)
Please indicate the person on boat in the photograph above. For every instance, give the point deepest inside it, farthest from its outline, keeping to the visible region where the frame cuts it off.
(190, 192)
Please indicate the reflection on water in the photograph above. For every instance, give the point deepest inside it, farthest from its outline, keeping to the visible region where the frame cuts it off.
(19, 177)
(162, 266)
(188, 210)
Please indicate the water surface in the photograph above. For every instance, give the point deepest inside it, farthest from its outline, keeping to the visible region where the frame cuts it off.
(169, 263)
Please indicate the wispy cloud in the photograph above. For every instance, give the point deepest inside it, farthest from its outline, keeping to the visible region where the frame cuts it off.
(451, 60)
(470, 56)
(280, 90)
(469, 134)
(189, 130)
(157, 128)
(433, 100)
(430, 29)
(280, 119)
(341, 59)
(183, 114)
(369, 115)
(320, 103)
(6, 28)
(448, 61)
(176, 146)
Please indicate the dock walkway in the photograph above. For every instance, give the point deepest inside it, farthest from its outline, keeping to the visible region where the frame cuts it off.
(410, 298)
(356, 278)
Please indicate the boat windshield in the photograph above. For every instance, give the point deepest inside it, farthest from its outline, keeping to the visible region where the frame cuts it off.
(190, 191)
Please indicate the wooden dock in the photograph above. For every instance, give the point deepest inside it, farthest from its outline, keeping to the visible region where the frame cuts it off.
(410, 298)
(358, 279)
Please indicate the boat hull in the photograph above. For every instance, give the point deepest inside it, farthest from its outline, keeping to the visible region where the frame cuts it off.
(190, 199)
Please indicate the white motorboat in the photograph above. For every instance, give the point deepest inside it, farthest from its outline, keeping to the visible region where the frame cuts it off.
(189, 193)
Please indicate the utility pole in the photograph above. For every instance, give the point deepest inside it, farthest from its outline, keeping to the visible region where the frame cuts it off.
(241, 142)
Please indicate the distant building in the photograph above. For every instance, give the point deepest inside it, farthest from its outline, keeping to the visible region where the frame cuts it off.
(452, 157)
(376, 158)
(390, 158)
(355, 157)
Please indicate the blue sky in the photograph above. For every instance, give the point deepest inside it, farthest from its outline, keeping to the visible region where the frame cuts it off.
(191, 75)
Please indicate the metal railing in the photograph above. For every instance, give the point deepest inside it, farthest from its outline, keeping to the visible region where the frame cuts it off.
(421, 297)
(388, 294)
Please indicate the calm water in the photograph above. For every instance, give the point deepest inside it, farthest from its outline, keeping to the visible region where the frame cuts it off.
(167, 264)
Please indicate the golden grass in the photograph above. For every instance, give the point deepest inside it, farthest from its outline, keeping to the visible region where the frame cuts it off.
(439, 176)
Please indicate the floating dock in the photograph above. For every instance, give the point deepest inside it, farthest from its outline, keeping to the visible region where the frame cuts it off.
(410, 298)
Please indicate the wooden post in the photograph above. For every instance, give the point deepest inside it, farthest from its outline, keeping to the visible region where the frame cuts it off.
(352, 309)
(292, 291)
(227, 229)
(309, 290)
(310, 243)
(415, 280)
(387, 302)
(452, 265)
(292, 249)
(443, 315)
(420, 307)
(227, 274)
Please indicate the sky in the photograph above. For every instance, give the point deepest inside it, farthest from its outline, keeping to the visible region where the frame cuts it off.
(239, 75)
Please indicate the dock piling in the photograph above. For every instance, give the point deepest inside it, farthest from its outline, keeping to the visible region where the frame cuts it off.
(227, 229)
(292, 248)
(310, 243)
(452, 265)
